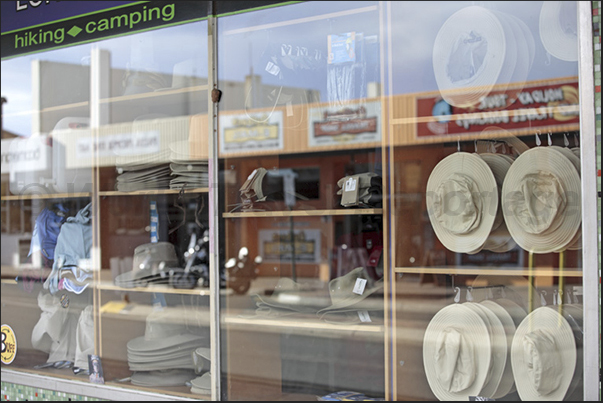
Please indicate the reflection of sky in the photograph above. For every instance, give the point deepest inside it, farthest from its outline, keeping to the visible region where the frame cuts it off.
(248, 41)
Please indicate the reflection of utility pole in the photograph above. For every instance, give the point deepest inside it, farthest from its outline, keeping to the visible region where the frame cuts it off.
(4, 101)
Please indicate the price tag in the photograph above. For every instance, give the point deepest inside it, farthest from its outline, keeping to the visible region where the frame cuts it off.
(359, 286)
(350, 184)
(351, 194)
(364, 316)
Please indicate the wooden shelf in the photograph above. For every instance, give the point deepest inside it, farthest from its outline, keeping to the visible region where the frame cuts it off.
(469, 271)
(152, 192)
(47, 196)
(304, 213)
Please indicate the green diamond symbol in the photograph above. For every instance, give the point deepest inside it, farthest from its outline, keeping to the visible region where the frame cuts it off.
(74, 31)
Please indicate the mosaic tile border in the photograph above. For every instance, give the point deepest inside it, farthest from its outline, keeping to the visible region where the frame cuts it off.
(14, 392)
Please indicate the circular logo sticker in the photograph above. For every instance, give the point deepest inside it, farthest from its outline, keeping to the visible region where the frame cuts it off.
(9, 345)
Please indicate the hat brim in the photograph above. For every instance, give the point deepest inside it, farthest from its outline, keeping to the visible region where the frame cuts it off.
(351, 302)
(140, 344)
(533, 162)
(545, 319)
(173, 377)
(498, 343)
(477, 169)
(473, 328)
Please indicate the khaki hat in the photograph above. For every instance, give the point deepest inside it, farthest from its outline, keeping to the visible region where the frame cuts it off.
(147, 262)
(543, 356)
(542, 200)
(462, 201)
(346, 295)
(498, 344)
(456, 353)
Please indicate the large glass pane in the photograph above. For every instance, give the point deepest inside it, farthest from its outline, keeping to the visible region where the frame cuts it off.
(119, 193)
(486, 200)
(300, 135)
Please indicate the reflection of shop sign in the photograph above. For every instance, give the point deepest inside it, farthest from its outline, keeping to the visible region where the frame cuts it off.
(251, 133)
(533, 107)
(9, 345)
(125, 144)
(24, 155)
(345, 126)
(277, 246)
(511, 258)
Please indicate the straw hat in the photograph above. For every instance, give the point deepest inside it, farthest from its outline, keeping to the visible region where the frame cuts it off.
(469, 55)
(543, 356)
(456, 353)
(558, 26)
(462, 201)
(498, 344)
(542, 200)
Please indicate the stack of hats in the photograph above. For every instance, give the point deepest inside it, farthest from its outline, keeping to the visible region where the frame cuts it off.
(350, 302)
(363, 190)
(143, 173)
(151, 265)
(542, 196)
(187, 171)
(546, 354)
(164, 356)
(466, 350)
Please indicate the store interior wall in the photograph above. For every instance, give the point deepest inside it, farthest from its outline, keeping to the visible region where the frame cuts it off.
(14, 392)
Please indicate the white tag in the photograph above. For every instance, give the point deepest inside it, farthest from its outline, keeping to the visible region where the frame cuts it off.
(251, 175)
(359, 287)
(364, 317)
(350, 185)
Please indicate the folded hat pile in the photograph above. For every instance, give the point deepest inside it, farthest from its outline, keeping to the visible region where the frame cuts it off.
(165, 355)
(148, 173)
(187, 171)
(362, 190)
(259, 187)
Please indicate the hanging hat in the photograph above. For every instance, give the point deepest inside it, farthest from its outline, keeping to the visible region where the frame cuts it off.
(558, 25)
(542, 200)
(462, 201)
(498, 345)
(348, 291)
(507, 383)
(456, 353)
(475, 49)
(543, 356)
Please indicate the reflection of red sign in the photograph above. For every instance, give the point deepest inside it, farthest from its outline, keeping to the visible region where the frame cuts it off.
(354, 126)
(530, 107)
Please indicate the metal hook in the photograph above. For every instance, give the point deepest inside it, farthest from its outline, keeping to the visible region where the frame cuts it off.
(458, 144)
(475, 145)
(542, 298)
(469, 294)
(537, 134)
(457, 297)
(565, 140)
(576, 142)
(550, 140)
(555, 295)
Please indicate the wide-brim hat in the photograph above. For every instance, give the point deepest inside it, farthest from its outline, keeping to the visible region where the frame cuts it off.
(170, 377)
(462, 201)
(287, 296)
(576, 243)
(507, 382)
(542, 200)
(543, 356)
(473, 51)
(344, 294)
(147, 261)
(558, 26)
(456, 353)
(498, 345)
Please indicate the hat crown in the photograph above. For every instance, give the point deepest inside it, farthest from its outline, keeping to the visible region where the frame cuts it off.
(148, 257)
(539, 203)
(543, 361)
(457, 204)
(467, 57)
(342, 288)
(455, 361)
